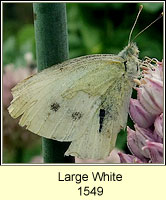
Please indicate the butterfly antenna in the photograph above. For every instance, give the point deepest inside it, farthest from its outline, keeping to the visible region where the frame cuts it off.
(148, 26)
(140, 9)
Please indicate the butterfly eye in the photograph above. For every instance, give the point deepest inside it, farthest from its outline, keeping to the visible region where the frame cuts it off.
(125, 64)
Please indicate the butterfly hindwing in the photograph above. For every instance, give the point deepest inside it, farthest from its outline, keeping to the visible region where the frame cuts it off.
(113, 111)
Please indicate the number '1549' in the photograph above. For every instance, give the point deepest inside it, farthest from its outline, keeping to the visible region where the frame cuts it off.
(87, 191)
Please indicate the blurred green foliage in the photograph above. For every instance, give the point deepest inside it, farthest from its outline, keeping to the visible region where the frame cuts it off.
(105, 27)
(93, 28)
(18, 33)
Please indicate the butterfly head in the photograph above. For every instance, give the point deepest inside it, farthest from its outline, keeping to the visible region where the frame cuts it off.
(130, 51)
(130, 55)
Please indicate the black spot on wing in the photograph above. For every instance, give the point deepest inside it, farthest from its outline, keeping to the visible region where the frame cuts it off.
(101, 119)
(55, 106)
(76, 116)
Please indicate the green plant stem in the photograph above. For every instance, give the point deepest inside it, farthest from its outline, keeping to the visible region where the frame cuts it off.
(51, 48)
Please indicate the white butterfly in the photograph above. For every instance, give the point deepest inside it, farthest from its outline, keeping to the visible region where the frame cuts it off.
(83, 100)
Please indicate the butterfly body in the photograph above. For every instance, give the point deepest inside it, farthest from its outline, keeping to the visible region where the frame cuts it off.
(83, 100)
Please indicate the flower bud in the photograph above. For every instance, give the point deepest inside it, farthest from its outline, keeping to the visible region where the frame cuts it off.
(158, 125)
(156, 151)
(139, 115)
(126, 158)
(136, 140)
(150, 96)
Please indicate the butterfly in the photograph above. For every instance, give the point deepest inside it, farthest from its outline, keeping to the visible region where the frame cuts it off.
(84, 100)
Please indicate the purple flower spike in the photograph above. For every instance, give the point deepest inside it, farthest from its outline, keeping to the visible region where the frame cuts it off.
(156, 151)
(139, 115)
(146, 142)
(156, 89)
(160, 68)
(158, 124)
(150, 96)
(136, 140)
(126, 158)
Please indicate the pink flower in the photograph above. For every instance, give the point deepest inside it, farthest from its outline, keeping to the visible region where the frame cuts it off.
(155, 72)
(149, 103)
(126, 158)
(137, 140)
(15, 138)
(150, 95)
(11, 77)
(146, 141)
(156, 151)
(140, 115)
(158, 125)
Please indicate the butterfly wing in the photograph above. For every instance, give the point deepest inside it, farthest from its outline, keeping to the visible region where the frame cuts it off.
(63, 102)
(100, 136)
